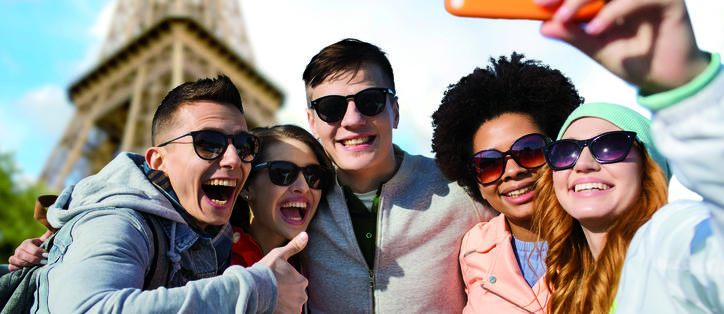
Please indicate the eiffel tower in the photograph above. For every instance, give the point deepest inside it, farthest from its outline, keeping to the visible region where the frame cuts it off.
(153, 46)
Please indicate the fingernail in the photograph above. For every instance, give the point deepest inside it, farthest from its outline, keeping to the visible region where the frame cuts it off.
(43, 261)
(45, 255)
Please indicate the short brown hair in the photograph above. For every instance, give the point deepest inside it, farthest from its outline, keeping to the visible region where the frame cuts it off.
(219, 89)
(346, 54)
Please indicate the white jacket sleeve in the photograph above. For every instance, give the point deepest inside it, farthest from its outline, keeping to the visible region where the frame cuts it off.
(674, 262)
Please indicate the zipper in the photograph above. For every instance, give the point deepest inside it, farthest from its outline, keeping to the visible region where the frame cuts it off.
(371, 277)
(484, 286)
(371, 281)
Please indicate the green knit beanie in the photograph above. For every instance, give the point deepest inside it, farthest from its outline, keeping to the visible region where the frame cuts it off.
(625, 118)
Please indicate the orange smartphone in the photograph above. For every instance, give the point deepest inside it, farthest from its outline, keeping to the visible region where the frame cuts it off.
(515, 9)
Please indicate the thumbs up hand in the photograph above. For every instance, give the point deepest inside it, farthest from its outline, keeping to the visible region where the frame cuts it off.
(291, 285)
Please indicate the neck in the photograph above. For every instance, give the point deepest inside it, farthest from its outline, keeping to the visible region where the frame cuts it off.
(596, 241)
(521, 231)
(369, 178)
(266, 238)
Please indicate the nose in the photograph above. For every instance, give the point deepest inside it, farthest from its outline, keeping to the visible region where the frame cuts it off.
(586, 162)
(512, 169)
(230, 158)
(352, 117)
(300, 184)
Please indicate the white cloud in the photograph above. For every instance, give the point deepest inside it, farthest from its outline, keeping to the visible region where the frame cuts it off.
(46, 109)
(31, 126)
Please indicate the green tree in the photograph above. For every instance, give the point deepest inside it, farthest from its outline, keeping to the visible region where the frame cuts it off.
(17, 202)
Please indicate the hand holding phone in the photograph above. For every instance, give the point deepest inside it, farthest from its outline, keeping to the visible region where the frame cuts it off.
(515, 9)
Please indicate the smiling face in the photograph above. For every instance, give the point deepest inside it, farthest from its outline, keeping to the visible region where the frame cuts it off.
(597, 194)
(281, 212)
(357, 142)
(206, 188)
(512, 194)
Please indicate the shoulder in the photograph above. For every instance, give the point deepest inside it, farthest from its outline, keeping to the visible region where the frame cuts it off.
(485, 234)
(670, 229)
(119, 227)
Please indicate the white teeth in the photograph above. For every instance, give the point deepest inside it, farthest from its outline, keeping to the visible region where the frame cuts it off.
(356, 141)
(222, 182)
(520, 192)
(294, 204)
(591, 187)
(219, 202)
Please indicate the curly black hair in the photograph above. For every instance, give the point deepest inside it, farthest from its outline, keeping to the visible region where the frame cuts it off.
(505, 86)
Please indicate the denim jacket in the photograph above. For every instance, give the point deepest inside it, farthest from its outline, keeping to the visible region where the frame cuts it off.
(104, 250)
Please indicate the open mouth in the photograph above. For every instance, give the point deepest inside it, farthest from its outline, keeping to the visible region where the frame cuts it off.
(294, 211)
(357, 141)
(219, 191)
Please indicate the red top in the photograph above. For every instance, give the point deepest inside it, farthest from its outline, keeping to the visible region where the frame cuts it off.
(244, 251)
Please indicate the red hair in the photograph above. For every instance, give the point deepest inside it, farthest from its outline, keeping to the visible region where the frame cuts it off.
(580, 283)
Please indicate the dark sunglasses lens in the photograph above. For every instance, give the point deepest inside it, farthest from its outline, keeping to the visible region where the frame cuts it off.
(611, 147)
(528, 151)
(209, 144)
(563, 154)
(282, 173)
(331, 108)
(317, 177)
(247, 146)
(370, 102)
(488, 166)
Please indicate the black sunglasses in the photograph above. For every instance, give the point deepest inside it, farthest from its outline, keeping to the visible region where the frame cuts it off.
(369, 102)
(283, 173)
(210, 144)
(606, 148)
(489, 165)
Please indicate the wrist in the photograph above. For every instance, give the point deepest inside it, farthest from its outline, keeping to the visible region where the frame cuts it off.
(685, 90)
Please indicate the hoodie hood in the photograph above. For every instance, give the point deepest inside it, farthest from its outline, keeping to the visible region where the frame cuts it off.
(122, 184)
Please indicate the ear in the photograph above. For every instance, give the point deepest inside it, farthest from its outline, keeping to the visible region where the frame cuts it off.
(396, 110)
(155, 158)
(312, 122)
(244, 194)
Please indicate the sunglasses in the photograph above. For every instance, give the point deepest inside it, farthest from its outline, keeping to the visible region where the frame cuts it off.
(369, 102)
(606, 148)
(209, 144)
(489, 165)
(284, 173)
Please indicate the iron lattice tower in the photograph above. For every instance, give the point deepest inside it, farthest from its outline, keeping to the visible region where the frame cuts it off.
(153, 46)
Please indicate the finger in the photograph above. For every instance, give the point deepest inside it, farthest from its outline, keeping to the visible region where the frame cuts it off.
(18, 263)
(24, 259)
(573, 35)
(31, 247)
(45, 236)
(12, 267)
(294, 246)
(548, 3)
(568, 9)
(615, 13)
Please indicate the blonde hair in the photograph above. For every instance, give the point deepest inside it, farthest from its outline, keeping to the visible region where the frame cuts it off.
(580, 283)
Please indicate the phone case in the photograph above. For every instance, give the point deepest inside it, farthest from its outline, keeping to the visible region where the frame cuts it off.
(515, 9)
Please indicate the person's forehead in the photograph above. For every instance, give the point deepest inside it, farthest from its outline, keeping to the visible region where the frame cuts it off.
(350, 81)
(209, 115)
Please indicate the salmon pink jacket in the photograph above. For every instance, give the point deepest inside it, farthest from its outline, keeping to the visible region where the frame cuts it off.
(493, 280)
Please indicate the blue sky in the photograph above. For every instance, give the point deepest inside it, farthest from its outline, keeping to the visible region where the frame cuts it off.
(46, 45)
(43, 48)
